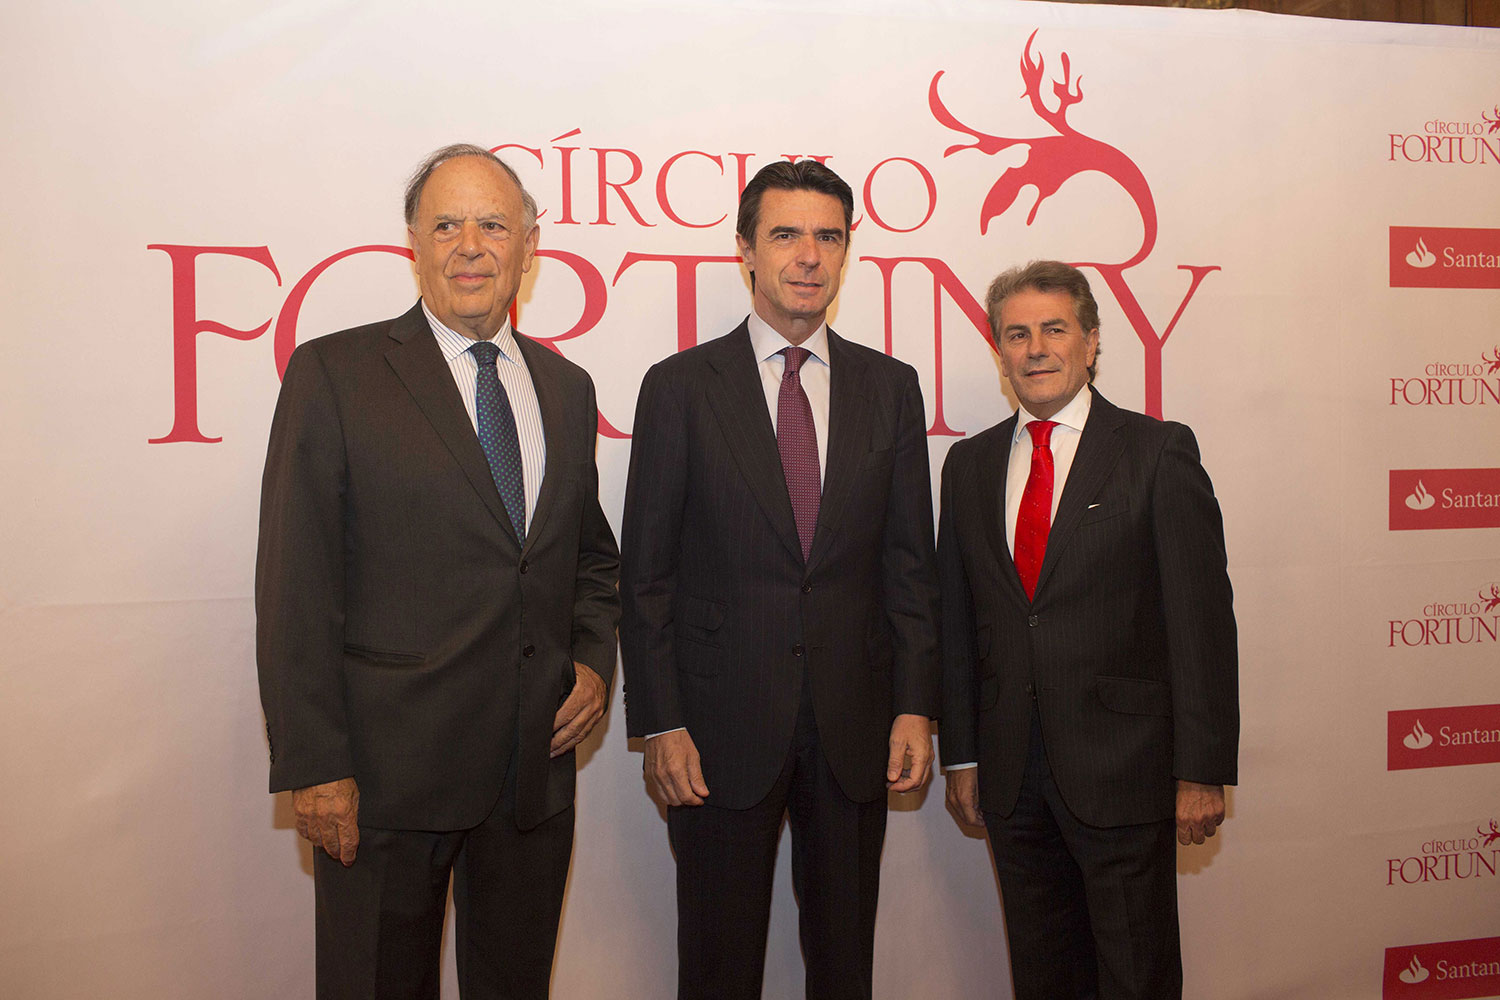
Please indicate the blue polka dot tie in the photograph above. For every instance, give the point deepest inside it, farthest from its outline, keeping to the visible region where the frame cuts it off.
(797, 440)
(497, 435)
(1034, 522)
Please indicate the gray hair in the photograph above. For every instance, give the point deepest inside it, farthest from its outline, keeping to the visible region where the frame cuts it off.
(1045, 276)
(439, 157)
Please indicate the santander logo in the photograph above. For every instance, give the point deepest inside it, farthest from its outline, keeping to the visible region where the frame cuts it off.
(1421, 256)
(1452, 970)
(1452, 736)
(1419, 498)
(1418, 738)
(1414, 973)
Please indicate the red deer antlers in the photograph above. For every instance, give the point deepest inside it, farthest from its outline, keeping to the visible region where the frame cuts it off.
(1052, 159)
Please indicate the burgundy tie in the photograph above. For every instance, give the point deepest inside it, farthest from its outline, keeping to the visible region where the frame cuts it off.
(797, 440)
(1035, 519)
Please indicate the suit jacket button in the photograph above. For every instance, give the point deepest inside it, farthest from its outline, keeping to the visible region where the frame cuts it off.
(528, 650)
(1032, 621)
(523, 566)
(797, 649)
(807, 588)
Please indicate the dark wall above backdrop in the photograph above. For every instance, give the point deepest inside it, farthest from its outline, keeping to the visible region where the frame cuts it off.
(1473, 13)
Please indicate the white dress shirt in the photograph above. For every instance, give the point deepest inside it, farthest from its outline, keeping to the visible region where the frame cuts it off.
(516, 378)
(768, 345)
(1064, 444)
(1070, 420)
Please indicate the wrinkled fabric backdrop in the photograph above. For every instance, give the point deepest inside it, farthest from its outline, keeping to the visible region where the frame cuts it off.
(1267, 208)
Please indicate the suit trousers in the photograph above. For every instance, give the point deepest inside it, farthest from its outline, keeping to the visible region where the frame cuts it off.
(380, 921)
(1090, 912)
(726, 860)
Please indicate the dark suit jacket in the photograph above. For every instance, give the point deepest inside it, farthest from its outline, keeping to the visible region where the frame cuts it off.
(1129, 644)
(722, 617)
(404, 636)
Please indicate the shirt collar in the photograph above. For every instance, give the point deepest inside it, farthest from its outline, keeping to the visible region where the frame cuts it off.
(766, 342)
(1074, 415)
(453, 343)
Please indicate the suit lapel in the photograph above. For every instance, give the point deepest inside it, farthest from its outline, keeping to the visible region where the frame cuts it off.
(994, 473)
(740, 406)
(1099, 448)
(419, 365)
(549, 398)
(849, 402)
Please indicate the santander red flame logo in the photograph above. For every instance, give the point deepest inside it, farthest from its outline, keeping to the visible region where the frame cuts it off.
(1052, 159)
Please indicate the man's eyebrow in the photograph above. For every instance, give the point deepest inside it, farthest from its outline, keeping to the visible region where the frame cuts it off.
(795, 230)
(1058, 321)
(831, 231)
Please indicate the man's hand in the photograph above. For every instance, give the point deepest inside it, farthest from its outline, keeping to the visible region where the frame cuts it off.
(910, 763)
(328, 815)
(577, 715)
(1200, 811)
(674, 769)
(963, 795)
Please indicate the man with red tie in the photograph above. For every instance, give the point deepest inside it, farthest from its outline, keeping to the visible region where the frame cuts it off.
(1090, 698)
(780, 604)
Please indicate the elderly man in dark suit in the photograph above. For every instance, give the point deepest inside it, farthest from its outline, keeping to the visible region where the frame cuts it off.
(436, 600)
(780, 598)
(1090, 667)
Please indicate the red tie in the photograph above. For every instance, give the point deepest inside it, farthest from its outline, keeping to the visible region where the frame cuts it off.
(797, 440)
(1035, 518)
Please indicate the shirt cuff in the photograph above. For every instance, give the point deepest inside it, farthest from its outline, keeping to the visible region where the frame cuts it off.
(679, 729)
(951, 767)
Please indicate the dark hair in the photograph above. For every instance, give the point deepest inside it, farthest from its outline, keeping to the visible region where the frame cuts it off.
(439, 157)
(804, 175)
(1045, 276)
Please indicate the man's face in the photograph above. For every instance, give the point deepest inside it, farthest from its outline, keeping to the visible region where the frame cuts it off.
(797, 256)
(471, 245)
(1043, 350)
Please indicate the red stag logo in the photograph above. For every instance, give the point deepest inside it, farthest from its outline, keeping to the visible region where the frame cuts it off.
(1492, 361)
(1492, 836)
(1053, 159)
(1492, 600)
(1493, 123)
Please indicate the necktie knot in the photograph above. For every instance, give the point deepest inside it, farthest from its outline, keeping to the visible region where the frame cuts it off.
(485, 352)
(795, 356)
(1041, 432)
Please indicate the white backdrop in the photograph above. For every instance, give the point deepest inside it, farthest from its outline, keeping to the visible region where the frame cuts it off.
(177, 166)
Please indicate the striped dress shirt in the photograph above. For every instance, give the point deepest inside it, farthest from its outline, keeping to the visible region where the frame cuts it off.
(516, 378)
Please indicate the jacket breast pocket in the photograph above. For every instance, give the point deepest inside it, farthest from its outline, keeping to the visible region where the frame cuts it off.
(1104, 510)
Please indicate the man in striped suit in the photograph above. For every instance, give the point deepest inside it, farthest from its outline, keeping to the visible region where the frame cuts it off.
(436, 605)
(1090, 694)
(780, 604)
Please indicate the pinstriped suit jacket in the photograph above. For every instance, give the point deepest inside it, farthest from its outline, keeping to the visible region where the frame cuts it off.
(721, 615)
(1129, 645)
(404, 635)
